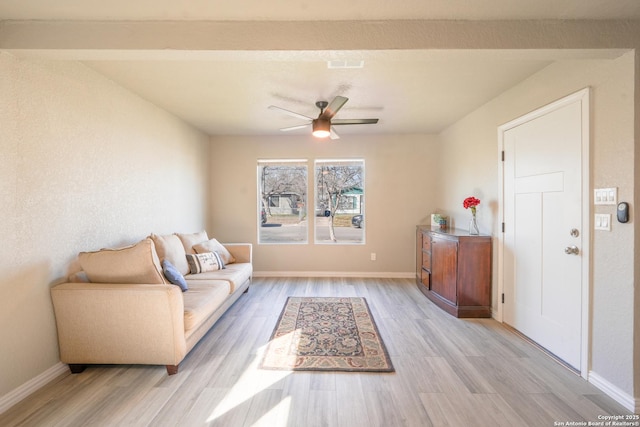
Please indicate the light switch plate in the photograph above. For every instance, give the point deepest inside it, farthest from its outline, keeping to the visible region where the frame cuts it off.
(602, 222)
(605, 196)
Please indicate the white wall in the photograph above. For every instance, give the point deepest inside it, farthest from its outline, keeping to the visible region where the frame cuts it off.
(469, 154)
(399, 194)
(84, 164)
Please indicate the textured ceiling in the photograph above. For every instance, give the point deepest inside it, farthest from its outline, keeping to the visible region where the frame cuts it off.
(415, 94)
(228, 92)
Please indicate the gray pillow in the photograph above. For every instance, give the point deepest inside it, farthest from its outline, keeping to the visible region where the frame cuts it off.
(174, 276)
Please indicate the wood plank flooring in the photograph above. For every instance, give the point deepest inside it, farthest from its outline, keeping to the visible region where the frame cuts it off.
(449, 372)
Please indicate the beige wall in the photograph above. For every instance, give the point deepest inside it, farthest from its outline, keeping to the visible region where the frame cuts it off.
(399, 187)
(84, 164)
(469, 152)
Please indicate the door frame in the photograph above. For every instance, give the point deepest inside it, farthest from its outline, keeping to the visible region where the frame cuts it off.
(582, 96)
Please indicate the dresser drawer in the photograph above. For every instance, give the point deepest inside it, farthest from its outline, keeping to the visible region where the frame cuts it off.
(426, 243)
(426, 279)
(426, 260)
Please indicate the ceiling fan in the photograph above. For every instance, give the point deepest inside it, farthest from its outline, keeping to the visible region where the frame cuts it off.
(323, 125)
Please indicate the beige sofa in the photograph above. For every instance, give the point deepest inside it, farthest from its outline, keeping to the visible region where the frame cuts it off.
(120, 308)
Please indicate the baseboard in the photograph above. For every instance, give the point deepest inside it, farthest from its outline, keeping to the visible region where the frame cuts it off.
(364, 274)
(31, 386)
(629, 402)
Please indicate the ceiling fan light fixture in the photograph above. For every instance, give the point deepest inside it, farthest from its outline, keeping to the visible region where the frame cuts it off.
(321, 128)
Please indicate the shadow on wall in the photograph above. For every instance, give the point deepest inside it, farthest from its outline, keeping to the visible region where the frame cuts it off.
(27, 332)
(19, 287)
(493, 208)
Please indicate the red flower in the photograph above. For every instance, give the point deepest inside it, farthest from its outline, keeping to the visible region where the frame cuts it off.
(471, 202)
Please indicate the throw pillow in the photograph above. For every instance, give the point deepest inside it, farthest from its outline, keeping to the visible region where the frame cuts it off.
(188, 240)
(201, 263)
(214, 246)
(132, 264)
(170, 247)
(174, 276)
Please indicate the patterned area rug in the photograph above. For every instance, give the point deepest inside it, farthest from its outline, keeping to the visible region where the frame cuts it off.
(326, 334)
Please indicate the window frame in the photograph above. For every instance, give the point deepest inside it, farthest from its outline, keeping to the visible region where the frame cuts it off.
(316, 197)
(260, 183)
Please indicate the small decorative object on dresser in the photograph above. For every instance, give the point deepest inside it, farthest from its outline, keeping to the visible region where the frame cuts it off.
(438, 220)
(453, 269)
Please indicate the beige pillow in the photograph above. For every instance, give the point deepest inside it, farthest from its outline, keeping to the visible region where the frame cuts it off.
(132, 264)
(214, 246)
(188, 240)
(170, 247)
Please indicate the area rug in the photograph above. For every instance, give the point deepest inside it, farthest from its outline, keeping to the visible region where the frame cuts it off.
(326, 334)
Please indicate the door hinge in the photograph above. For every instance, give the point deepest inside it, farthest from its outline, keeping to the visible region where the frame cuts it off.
(503, 155)
(503, 227)
(503, 298)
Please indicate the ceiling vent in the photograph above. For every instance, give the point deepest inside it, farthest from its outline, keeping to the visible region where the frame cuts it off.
(347, 63)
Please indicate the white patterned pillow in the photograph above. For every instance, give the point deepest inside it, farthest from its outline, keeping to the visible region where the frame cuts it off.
(201, 263)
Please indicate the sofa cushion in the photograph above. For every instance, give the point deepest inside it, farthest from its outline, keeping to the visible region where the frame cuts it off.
(188, 240)
(170, 247)
(173, 275)
(138, 263)
(214, 246)
(235, 274)
(200, 263)
(202, 300)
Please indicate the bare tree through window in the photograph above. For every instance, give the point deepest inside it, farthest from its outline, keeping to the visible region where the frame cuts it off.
(282, 193)
(339, 186)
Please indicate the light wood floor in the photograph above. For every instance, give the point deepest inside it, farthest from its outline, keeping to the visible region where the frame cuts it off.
(449, 372)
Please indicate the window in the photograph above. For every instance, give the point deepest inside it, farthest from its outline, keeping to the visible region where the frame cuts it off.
(339, 201)
(282, 201)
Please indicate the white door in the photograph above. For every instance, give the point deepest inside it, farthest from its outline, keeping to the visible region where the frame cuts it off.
(544, 229)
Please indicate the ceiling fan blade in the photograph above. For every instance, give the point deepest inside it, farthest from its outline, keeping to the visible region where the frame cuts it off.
(294, 127)
(354, 121)
(333, 134)
(291, 113)
(334, 107)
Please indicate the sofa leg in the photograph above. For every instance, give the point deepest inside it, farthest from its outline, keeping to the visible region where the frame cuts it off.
(246, 291)
(172, 369)
(76, 369)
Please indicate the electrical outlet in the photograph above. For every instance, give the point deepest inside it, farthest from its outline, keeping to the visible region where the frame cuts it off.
(373, 256)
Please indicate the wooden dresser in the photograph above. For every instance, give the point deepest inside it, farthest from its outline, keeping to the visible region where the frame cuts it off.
(453, 269)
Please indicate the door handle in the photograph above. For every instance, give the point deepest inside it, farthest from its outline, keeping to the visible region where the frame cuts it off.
(571, 250)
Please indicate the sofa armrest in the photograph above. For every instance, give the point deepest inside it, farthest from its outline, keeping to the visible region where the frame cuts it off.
(242, 252)
(119, 323)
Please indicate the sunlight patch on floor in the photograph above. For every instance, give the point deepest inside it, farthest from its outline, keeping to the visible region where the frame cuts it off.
(251, 382)
(276, 416)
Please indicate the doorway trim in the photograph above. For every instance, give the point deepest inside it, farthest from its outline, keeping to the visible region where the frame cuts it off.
(583, 97)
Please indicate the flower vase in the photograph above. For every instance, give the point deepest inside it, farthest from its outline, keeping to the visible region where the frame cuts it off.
(473, 226)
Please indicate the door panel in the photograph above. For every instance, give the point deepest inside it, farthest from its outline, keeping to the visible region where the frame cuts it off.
(542, 204)
(443, 274)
